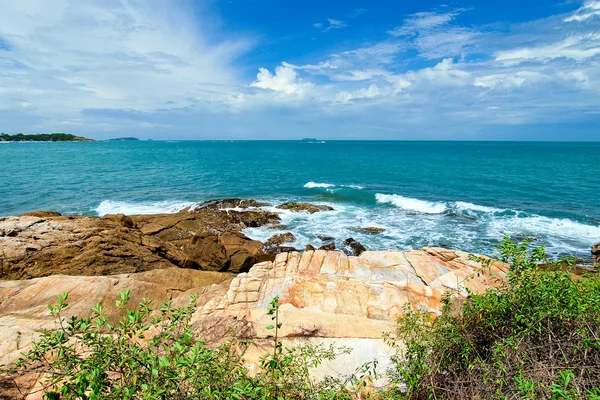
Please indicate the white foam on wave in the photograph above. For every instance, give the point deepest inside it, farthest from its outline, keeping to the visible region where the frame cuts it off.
(127, 208)
(408, 203)
(562, 228)
(357, 187)
(465, 206)
(312, 185)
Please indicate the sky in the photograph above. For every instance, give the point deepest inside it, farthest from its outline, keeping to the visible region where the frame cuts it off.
(250, 69)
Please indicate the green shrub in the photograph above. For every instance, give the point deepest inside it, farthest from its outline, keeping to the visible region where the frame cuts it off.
(536, 336)
(148, 356)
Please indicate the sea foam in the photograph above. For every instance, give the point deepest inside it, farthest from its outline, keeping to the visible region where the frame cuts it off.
(408, 203)
(127, 208)
(312, 185)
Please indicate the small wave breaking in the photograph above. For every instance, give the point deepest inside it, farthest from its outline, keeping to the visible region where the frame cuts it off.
(312, 185)
(127, 208)
(410, 204)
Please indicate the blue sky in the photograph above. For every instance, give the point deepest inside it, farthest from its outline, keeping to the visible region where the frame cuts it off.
(250, 69)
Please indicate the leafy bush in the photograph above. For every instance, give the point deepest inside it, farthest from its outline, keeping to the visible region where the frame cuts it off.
(536, 336)
(148, 356)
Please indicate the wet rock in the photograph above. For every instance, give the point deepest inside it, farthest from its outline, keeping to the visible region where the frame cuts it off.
(352, 248)
(328, 246)
(309, 247)
(281, 238)
(369, 229)
(308, 207)
(230, 203)
(325, 238)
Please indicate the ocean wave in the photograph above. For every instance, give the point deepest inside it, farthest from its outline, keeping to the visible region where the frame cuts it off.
(465, 206)
(357, 187)
(127, 208)
(408, 203)
(557, 228)
(312, 185)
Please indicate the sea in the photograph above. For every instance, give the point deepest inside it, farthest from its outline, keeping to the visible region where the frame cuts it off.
(455, 194)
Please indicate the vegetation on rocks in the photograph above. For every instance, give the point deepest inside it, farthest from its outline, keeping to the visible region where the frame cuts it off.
(535, 335)
(44, 137)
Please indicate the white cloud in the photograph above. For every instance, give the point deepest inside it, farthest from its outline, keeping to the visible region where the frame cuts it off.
(67, 56)
(285, 80)
(508, 81)
(371, 92)
(589, 9)
(576, 47)
(331, 24)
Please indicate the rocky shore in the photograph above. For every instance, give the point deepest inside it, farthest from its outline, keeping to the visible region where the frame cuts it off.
(349, 297)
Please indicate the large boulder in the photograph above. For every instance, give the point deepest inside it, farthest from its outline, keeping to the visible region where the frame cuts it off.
(596, 252)
(308, 207)
(207, 236)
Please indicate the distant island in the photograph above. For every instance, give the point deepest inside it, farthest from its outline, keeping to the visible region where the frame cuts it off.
(43, 137)
(121, 139)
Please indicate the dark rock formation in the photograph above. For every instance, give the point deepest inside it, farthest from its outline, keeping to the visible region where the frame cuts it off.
(352, 247)
(369, 229)
(308, 207)
(328, 246)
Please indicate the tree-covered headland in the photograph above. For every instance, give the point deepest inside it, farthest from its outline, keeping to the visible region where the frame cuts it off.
(43, 137)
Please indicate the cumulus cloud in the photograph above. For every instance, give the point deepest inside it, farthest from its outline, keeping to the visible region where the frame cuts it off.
(285, 80)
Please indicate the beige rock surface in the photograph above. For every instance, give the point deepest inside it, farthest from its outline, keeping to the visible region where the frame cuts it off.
(325, 296)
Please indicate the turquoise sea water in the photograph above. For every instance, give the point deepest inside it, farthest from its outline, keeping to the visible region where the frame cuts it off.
(464, 195)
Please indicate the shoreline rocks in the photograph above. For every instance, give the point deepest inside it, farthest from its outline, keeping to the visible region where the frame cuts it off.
(308, 207)
(207, 237)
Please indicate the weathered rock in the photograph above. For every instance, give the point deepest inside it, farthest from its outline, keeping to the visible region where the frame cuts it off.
(309, 247)
(328, 246)
(369, 229)
(352, 247)
(280, 238)
(33, 247)
(596, 252)
(42, 214)
(308, 207)
(325, 238)
(120, 218)
(221, 204)
(206, 237)
(325, 297)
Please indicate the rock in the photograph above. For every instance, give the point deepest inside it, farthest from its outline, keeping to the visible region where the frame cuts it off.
(325, 238)
(325, 297)
(34, 247)
(23, 311)
(309, 208)
(42, 214)
(328, 246)
(352, 247)
(596, 249)
(231, 203)
(281, 238)
(120, 218)
(309, 247)
(369, 229)
(206, 237)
